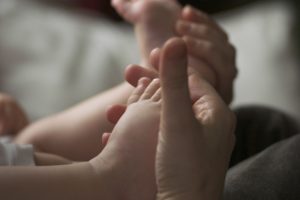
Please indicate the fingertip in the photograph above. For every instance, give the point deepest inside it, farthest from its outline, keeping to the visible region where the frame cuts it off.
(132, 74)
(135, 72)
(175, 48)
(187, 10)
(130, 66)
(173, 55)
(192, 14)
(173, 64)
(174, 81)
(154, 58)
(114, 113)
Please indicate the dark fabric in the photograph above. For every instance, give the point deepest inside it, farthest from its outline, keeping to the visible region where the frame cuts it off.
(258, 128)
(270, 167)
(273, 174)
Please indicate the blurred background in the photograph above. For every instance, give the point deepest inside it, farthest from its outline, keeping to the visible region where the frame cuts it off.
(56, 53)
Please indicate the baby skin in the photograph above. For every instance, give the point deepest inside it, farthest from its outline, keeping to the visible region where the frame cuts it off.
(210, 55)
(154, 21)
(162, 147)
(132, 144)
(161, 121)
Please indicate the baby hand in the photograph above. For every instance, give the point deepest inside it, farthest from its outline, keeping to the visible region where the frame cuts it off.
(210, 53)
(12, 117)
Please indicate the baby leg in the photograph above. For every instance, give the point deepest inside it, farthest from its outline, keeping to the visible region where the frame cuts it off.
(154, 21)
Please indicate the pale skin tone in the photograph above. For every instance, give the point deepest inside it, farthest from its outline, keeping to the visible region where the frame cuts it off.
(210, 53)
(199, 134)
(79, 127)
(114, 174)
(137, 140)
(83, 178)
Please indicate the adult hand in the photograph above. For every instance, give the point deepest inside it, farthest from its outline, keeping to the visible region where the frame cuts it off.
(12, 117)
(210, 52)
(195, 140)
(211, 55)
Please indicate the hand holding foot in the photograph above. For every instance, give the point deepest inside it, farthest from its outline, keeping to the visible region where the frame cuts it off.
(211, 55)
(195, 140)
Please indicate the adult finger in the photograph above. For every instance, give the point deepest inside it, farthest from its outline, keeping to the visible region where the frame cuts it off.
(223, 65)
(192, 14)
(133, 73)
(197, 30)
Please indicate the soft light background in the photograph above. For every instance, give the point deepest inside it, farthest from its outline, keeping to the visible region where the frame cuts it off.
(269, 68)
(51, 59)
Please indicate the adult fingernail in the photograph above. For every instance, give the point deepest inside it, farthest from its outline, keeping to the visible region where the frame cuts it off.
(175, 49)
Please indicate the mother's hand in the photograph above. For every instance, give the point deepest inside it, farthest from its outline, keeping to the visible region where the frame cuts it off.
(195, 140)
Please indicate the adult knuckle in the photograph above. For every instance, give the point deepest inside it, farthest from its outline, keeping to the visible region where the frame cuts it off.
(205, 31)
(195, 45)
(210, 47)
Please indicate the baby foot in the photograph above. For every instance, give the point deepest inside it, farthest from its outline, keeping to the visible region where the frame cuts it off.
(154, 21)
(131, 147)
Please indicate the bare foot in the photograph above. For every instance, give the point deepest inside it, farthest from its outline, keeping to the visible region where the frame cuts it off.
(200, 134)
(131, 147)
(154, 21)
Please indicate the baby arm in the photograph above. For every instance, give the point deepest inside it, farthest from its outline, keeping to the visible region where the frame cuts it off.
(76, 181)
(46, 159)
(75, 133)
